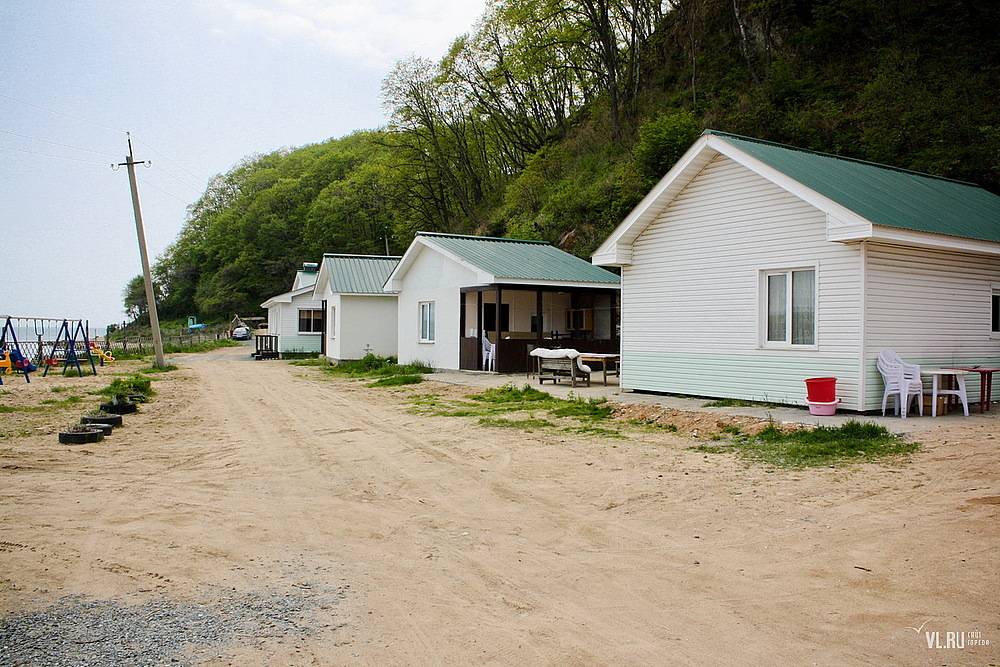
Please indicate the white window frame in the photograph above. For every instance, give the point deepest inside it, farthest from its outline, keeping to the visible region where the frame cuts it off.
(298, 322)
(994, 291)
(432, 307)
(762, 295)
(331, 325)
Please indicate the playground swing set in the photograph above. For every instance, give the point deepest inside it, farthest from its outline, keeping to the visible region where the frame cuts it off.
(13, 359)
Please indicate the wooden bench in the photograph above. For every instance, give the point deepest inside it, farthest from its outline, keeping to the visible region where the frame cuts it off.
(561, 369)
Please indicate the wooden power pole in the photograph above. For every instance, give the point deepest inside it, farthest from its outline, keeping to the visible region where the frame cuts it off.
(154, 319)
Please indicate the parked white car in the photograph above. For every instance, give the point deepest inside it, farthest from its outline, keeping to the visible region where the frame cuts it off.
(241, 333)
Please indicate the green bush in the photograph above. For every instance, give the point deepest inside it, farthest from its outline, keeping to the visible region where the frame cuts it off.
(663, 140)
(132, 384)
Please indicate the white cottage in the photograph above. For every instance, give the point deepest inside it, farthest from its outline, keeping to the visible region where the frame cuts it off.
(296, 317)
(752, 265)
(449, 287)
(360, 317)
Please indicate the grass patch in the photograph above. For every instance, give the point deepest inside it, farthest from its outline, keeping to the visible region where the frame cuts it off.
(738, 403)
(203, 346)
(131, 384)
(585, 408)
(59, 390)
(652, 425)
(508, 393)
(397, 380)
(374, 366)
(311, 361)
(823, 445)
(47, 405)
(595, 430)
(153, 369)
(527, 424)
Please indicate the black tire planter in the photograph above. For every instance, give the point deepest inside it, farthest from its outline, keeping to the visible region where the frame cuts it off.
(119, 408)
(104, 428)
(114, 420)
(137, 398)
(80, 437)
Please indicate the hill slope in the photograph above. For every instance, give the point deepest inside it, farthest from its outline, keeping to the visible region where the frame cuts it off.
(553, 118)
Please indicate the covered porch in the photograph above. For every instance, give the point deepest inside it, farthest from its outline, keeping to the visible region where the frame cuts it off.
(531, 316)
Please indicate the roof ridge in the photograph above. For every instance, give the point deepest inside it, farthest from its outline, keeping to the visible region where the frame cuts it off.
(350, 255)
(483, 238)
(778, 144)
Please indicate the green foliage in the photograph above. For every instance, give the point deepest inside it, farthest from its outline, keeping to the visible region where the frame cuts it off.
(823, 445)
(510, 393)
(203, 346)
(159, 369)
(527, 424)
(373, 366)
(397, 380)
(128, 385)
(663, 140)
(545, 123)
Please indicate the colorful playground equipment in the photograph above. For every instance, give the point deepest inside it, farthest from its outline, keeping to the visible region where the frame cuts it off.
(12, 359)
(69, 353)
(103, 356)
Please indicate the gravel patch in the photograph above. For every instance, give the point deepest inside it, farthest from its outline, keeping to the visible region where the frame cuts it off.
(77, 630)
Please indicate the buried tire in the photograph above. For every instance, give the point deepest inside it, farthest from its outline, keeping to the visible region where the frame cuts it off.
(113, 420)
(104, 428)
(119, 408)
(83, 437)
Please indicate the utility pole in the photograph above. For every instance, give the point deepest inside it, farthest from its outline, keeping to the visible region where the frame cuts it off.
(154, 319)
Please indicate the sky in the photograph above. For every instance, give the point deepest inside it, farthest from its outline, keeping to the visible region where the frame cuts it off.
(200, 85)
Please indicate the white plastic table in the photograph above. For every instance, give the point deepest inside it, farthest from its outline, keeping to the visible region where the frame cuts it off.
(938, 389)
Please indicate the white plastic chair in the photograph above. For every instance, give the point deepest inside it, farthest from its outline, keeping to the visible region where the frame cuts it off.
(901, 380)
(489, 355)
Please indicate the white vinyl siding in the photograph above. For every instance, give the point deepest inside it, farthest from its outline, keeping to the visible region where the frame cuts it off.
(933, 308)
(283, 321)
(692, 298)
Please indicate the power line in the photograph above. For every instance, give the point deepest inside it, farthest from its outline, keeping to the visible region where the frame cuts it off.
(49, 155)
(77, 119)
(153, 185)
(180, 164)
(57, 143)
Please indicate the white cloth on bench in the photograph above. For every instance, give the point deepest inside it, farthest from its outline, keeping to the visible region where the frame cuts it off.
(560, 354)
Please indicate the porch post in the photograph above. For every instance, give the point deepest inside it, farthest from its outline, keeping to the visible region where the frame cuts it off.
(496, 348)
(461, 318)
(479, 329)
(538, 317)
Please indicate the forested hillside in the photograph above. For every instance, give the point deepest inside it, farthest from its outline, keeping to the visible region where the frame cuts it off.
(553, 117)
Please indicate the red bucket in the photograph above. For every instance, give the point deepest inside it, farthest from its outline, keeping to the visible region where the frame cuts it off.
(821, 390)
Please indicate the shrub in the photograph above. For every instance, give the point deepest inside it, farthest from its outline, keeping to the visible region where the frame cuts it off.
(663, 140)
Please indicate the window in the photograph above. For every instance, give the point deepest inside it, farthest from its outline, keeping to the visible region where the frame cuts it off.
(490, 317)
(310, 321)
(332, 328)
(790, 307)
(995, 328)
(426, 321)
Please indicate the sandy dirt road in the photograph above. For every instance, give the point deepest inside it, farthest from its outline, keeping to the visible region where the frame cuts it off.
(453, 543)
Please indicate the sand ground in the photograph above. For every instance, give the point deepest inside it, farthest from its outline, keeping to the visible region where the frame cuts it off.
(454, 543)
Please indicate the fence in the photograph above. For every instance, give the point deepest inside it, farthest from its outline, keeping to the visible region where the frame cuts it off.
(38, 348)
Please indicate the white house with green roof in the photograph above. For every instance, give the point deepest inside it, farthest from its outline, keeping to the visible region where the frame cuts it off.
(753, 265)
(295, 317)
(357, 315)
(449, 288)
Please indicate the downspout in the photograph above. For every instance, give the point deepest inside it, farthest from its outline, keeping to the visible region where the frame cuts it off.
(862, 371)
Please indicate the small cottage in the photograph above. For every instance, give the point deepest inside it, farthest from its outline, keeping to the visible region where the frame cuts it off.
(357, 316)
(753, 265)
(295, 317)
(463, 299)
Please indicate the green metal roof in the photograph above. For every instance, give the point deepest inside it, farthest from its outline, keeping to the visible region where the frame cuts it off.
(358, 274)
(513, 259)
(884, 195)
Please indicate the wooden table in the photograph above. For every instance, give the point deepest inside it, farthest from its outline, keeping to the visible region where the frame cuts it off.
(948, 382)
(604, 359)
(985, 383)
